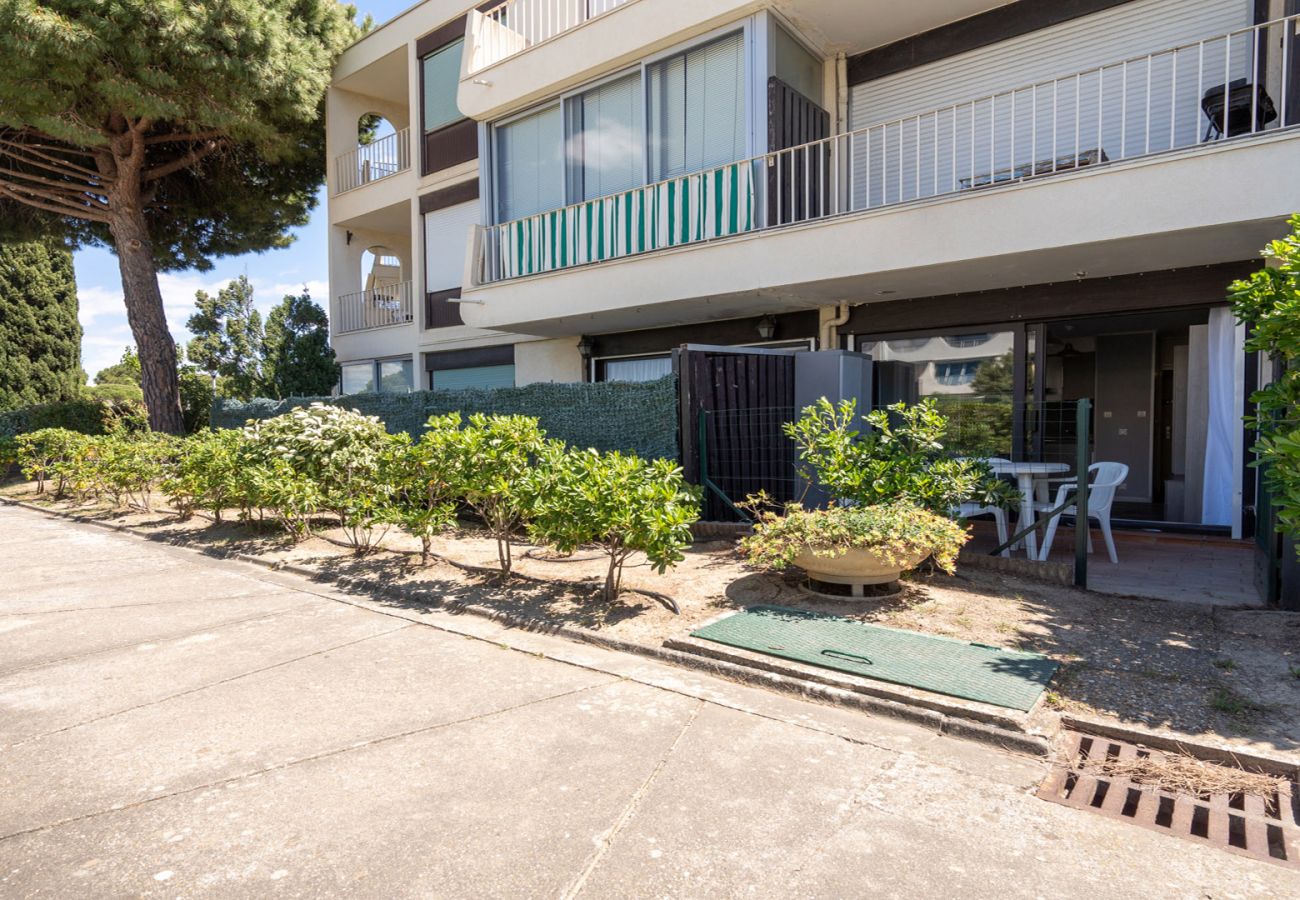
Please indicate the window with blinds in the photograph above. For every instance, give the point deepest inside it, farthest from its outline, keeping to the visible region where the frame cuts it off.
(696, 108)
(605, 139)
(530, 164)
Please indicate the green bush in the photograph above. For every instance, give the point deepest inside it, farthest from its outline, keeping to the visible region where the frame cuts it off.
(896, 532)
(1269, 302)
(622, 504)
(128, 467)
(205, 473)
(493, 457)
(427, 480)
(899, 457)
(83, 416)
(46, 453)
(327, 456)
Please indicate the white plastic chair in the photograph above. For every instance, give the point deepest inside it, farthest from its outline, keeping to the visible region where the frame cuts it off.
(1103, 481)
(969, 509)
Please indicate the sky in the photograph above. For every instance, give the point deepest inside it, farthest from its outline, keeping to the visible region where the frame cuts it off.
(105, 332)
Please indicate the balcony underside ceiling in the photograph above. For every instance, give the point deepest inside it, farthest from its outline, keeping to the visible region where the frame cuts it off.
(384, 78)
(856, 27)
(395, 219)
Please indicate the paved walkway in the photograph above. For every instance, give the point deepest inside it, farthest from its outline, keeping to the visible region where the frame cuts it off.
(177, 726)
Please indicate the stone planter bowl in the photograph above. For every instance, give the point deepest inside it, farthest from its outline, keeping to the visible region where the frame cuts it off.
(855, 568)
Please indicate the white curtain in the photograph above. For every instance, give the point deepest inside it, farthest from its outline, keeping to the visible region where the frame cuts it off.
(651, 369)
(1223, 426)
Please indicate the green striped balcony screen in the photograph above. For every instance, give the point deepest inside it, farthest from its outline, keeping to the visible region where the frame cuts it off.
(684, 210)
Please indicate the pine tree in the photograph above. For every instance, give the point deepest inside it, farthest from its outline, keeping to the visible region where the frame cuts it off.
(40, 338)
(228, 341)
(171, 131)
(299, 361)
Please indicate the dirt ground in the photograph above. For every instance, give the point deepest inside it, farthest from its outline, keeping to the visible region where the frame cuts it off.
(1231, 676)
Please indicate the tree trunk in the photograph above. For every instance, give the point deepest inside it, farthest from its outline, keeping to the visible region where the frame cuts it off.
(145, 313)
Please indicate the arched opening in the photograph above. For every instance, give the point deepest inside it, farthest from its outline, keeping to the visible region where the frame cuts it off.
(381, 268)
(380, 150)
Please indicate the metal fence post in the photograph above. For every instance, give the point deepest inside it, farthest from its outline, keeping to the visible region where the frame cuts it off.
(1083, 421)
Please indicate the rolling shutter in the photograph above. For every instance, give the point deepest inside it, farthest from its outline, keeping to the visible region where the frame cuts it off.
(445, 233)
(483, 377)
(1128, 30)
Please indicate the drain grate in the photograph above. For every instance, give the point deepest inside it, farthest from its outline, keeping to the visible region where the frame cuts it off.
(1263, 827)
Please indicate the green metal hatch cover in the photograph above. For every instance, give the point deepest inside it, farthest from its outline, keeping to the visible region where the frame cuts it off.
(1008, 678)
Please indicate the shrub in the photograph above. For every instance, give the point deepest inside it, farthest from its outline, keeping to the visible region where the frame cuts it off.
(41, 453)
(896, 532)
(205, 473)
(427, 480)
(331, 457)
(1269, 303)
(620, 503)
(493, 455)
(85, 416)
(898, 458)
(128, 466)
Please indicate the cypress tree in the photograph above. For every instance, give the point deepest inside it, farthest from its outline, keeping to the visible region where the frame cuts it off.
(40, 337)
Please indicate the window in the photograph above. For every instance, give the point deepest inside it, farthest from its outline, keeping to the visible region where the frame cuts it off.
(645, 368)
(967, 340)
(396, 376)
(482, 377)
(952, 374)
(358, 378)
(530, 164)
(696, 108)
(440, 80)
(798, 68)
(604, 139)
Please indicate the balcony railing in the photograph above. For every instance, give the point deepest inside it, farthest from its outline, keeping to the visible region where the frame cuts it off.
(377, 160)
(516, 25)
(1163, 101)
(375, 308)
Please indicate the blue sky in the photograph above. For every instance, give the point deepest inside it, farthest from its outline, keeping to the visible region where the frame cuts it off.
(273, 274)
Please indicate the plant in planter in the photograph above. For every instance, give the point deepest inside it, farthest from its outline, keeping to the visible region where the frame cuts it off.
(854, 544)
(894, 494)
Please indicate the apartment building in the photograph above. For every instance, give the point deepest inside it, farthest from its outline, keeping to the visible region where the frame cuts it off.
(1055, 192)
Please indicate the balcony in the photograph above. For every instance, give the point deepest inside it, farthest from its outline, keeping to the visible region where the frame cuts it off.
(516, 25)
(381, 158)
(380, 307)
(1159, 103)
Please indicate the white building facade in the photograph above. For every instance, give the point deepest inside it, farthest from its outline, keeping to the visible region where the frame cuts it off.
(565, 190)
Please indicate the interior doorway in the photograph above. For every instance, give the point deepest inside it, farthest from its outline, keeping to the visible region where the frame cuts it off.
(1161, 398)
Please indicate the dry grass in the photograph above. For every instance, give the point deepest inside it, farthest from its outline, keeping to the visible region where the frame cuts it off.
(1179, 773)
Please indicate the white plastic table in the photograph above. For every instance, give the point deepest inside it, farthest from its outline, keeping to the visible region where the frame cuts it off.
(1026, 473)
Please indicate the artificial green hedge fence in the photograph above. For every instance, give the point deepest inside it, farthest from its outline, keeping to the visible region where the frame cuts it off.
(631, 417)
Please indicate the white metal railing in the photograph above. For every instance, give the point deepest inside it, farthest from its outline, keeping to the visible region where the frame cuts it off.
(379, 159)
(516, 25)
(1167, 100)
(375, 308)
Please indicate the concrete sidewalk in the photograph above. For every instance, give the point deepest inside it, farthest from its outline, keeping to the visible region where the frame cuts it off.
(174, 725)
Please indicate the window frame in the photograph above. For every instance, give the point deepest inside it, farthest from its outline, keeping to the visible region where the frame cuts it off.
(750, 34)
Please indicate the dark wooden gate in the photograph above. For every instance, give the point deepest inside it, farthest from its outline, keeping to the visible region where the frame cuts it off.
(734, 403)
(798, 181)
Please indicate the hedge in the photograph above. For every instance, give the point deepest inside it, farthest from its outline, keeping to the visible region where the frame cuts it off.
(638, 418)
(84, 416)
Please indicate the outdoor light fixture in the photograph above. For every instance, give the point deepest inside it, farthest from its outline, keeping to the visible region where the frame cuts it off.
(586, 346)
(766, 327)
